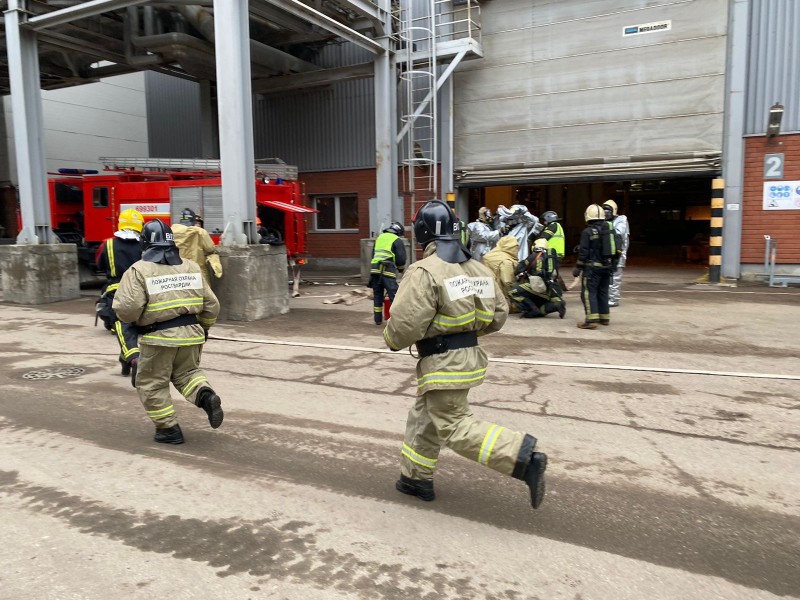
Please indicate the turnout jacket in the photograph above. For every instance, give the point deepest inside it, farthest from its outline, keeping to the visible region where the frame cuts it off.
(152, 293)
(440, 298)
(116, 255)
(195, 244)
(388, 256)
(590, 249)
(502, 261)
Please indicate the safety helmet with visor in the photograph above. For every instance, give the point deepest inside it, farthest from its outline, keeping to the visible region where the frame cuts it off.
(158, 244)
(435, 221)
(594, 212)
(396, 228)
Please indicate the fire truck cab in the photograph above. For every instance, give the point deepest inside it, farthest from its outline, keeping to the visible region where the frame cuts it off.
(85, 205)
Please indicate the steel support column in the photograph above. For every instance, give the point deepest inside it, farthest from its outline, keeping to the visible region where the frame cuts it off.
(446, 119)
(385, 148)
(235, 116)
(26, 105)
(733, 136)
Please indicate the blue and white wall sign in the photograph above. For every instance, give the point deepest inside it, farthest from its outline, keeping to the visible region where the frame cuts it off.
(656, 27)
(782, 195)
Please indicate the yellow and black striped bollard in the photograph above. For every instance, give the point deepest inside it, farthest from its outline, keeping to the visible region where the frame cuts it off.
(715, 234)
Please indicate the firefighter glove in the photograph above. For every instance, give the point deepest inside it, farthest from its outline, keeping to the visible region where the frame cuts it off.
(215, 264)
(576, 272)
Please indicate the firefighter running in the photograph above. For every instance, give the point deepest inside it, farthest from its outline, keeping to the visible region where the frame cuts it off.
(115, 256)
(388, 259)
(173, 307)
(445, 301)
(195, 244)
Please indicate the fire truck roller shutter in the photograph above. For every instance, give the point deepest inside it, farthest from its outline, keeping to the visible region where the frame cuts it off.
(204, 200)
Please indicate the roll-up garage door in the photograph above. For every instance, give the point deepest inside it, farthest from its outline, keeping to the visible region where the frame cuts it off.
(592, 89)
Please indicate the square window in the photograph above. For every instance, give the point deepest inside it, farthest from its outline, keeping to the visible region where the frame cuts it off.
(336, 213)
(326, 217)
(348, 211)
(100, 197)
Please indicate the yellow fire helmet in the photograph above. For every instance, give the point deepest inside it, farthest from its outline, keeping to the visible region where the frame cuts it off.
(612, 205)
(594, 212)
(540, 244)
(130, 219)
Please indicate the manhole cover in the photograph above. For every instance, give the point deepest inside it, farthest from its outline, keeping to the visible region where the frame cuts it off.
(55, 373)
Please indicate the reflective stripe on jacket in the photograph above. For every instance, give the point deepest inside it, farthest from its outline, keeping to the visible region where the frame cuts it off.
(116, 255)
(153, 293)
(439, 298)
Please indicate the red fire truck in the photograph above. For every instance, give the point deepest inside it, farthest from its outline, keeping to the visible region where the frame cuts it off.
(85, 204)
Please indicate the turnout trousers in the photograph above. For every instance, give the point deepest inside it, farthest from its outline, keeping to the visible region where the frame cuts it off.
(444, 418)
(160, 365)
(533, 304)
(594, 294)
(382, 285)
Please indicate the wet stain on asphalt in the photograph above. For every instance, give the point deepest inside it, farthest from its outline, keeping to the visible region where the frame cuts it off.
(635, 387)
(261, 548)
(726, 415)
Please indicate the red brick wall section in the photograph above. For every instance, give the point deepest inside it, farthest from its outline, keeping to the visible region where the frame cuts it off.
(784, 225)
(360, 182)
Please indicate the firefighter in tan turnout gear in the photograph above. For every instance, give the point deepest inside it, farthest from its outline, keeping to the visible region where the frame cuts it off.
(173, 308)
(445, 301)
(195, 244)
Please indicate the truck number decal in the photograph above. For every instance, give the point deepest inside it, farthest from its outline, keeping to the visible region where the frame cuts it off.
(154, 210)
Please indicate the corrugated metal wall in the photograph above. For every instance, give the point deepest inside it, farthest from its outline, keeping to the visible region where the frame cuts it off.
(774, 64)
(173, 116)
(560, 82)
(326, 128)
(329, 128)
(320, 130)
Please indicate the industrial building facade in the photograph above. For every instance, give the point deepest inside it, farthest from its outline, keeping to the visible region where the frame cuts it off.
(572, 103)
(568, 103)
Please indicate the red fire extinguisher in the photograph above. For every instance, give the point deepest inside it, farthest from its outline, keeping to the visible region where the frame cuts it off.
(386, 305)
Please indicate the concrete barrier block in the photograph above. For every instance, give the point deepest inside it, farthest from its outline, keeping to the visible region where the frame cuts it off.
(40, 273)
(254, 283)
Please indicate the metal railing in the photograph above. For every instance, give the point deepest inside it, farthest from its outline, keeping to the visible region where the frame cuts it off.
(770, 257)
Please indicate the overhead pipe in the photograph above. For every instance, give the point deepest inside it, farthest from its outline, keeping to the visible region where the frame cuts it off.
(282, 62)
(189, 50)
(130, 32)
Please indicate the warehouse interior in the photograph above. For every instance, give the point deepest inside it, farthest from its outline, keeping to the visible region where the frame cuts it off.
(669, 218)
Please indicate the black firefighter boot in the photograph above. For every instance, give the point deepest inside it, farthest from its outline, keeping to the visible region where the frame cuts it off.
(170, 435)
(211, 403)
(421, 488)
(530, 468)
(126, 367)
